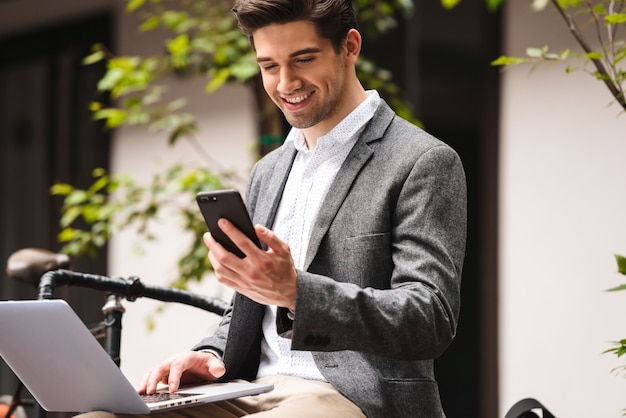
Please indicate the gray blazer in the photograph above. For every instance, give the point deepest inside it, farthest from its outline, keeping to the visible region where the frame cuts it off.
(379, 296)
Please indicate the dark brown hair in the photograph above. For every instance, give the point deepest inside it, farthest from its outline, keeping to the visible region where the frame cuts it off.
(332, 18)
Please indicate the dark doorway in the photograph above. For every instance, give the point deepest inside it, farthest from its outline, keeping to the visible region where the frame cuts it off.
(47, 136)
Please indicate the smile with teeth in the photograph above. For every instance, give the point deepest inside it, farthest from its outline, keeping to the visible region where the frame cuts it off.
(296, 100)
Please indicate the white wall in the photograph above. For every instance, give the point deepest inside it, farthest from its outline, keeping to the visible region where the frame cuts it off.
(562, 206)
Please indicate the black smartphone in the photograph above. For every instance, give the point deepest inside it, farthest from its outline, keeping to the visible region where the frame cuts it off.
(216, 204)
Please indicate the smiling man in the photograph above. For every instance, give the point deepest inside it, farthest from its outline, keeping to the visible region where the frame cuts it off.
(363, 218)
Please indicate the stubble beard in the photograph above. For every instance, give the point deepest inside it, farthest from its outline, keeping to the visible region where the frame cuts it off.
(314, 116)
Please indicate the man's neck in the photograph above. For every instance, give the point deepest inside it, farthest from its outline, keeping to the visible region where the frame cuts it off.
(353, 100)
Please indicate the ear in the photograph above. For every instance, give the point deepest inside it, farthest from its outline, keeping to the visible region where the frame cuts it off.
(353, 45)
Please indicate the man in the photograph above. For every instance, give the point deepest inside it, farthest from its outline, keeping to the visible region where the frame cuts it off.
(363, 216)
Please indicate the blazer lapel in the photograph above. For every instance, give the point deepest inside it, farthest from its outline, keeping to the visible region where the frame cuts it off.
(269, 200)
(358, 156)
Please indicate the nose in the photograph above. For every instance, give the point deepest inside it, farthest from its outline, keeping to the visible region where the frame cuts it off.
(289, 80)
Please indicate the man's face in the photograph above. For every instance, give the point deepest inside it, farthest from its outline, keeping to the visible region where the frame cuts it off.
(302, 74)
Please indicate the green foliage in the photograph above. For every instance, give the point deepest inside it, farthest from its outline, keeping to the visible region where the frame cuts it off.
(379, 16)
(619, 347)
(381, 80)
(621, 264)
(606, 21)
(621, 268)
(203, 39)
(114, 203)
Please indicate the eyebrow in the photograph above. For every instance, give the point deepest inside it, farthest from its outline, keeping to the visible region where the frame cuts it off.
(293, 54)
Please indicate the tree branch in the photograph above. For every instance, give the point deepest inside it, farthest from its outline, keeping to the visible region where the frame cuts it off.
(608, 81)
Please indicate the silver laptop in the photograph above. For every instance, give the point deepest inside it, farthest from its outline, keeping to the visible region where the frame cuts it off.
(66, 369)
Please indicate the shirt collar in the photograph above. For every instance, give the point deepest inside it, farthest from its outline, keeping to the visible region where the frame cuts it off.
(345, 130)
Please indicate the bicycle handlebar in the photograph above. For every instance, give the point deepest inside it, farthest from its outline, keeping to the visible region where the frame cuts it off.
(130, 288)
(49, 270)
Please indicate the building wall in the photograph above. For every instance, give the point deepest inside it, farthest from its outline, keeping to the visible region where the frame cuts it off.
(561, 220)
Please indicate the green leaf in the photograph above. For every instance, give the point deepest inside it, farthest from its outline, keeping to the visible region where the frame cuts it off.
(245, 68)
(176, 104)
(153, 95)
(61, 189)
(70, 216)
(98, 172)
(134, 5)
(91, 214)
(179, 50)
(621, 263)
(493, 5)
(534, 52)
(178, 45)
(506, 61)
(593, 55)
(93, 58)
(599, 9)
(113, 117)
(615, 289)
(66, 234)
(98, 185)
(137, 117)
(173, 19)
(111, 78)
(449, 4)
(218, 80)
(566, 53)
(226, 54)
(566, 4)
(76, 197)
(615, 19)
(149, 24)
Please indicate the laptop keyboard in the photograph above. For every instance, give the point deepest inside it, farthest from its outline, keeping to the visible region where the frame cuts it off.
(165, 396)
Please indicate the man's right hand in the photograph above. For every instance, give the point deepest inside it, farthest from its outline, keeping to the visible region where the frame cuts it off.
(186, 367)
